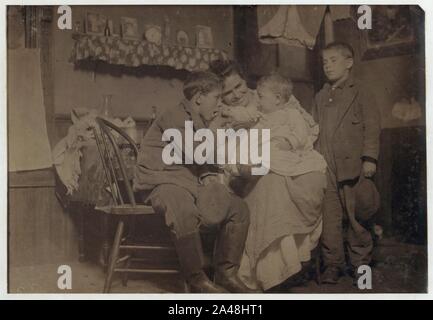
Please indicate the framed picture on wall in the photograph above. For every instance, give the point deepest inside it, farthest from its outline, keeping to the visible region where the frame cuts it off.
(95, 23)
(393, 32)
(129, 28)
(182, 38)
(153, 33)
(204, 37)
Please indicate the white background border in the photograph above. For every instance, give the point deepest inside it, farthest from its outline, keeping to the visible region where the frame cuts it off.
(428, 8)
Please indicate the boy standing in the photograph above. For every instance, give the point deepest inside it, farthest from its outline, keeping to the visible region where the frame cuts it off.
(349, 140)
(189, 202)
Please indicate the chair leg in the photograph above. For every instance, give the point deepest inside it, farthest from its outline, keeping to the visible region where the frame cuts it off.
(105, 241)
(81, 243)
(130, 231)
(113, 257)
(125, 274)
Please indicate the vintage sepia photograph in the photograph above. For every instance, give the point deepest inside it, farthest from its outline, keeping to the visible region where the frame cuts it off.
(250, 149)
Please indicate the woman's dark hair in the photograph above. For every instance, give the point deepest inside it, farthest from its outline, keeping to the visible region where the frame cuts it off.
(202, 82)
(225, 68)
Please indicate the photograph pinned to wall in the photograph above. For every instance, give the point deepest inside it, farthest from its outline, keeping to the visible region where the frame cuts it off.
(153, 34)
(95, 23)
(393, 32)
(204, 37)
(182, 38)
(129, 27)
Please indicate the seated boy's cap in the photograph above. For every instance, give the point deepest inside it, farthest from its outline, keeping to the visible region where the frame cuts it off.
(367, 199)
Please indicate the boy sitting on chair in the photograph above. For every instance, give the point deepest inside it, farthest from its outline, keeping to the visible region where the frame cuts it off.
(189, 202)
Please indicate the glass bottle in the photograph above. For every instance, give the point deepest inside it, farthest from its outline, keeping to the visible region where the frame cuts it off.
(154, 108)
(107, 31)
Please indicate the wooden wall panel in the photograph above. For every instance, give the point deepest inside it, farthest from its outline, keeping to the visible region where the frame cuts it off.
(40, 232)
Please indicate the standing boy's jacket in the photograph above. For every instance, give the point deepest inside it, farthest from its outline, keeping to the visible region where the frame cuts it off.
(354, 134)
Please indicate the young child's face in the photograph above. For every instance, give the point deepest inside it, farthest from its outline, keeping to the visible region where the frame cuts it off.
(269, 100)
(335, 64)
(208, 104)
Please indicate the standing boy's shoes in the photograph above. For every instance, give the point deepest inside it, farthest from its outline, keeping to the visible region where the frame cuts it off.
(331, 275)
(353, 273)
(355, 279)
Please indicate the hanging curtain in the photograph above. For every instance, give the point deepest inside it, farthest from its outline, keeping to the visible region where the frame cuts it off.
(340, 12)
(295, 25)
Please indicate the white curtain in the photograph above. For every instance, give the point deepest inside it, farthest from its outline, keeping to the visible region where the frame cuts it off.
(296, 25)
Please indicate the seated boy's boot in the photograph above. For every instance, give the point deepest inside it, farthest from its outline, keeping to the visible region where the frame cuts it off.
(229, 250)
(331, 275)
(191, 259)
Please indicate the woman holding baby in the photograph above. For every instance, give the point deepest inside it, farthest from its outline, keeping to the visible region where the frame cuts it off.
(285, 205)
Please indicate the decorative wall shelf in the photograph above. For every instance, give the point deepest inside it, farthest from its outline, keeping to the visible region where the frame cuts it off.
(135, 53)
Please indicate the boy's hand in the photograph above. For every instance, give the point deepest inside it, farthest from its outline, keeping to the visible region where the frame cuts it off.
(369, 169)
(209, 179)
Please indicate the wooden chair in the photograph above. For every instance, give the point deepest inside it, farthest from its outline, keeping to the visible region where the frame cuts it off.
(125, 208)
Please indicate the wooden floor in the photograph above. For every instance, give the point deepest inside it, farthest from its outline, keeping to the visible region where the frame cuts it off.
(399, 268)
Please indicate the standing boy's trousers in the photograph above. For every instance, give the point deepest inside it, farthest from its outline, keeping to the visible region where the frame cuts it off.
(359, 245)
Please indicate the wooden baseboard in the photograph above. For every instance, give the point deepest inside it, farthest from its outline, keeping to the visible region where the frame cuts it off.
(32, 179)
